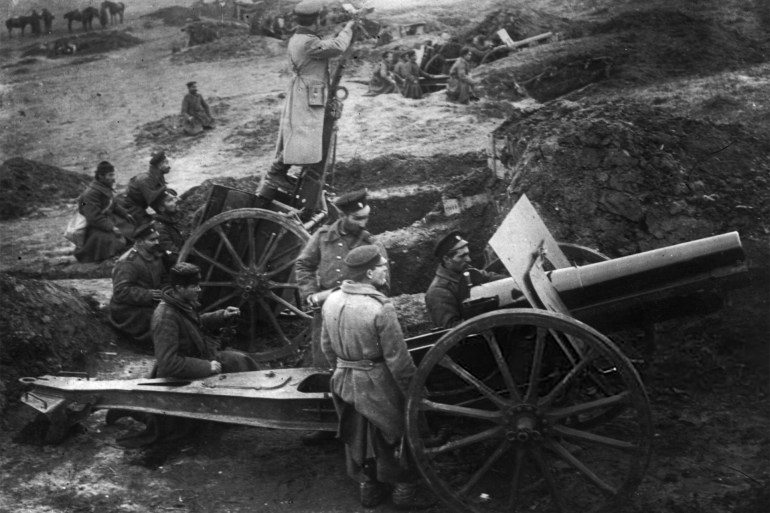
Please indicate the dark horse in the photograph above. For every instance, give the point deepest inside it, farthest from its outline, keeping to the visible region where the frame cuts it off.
(19, 22)
(115, 10)
(86, 17)
(47, 20)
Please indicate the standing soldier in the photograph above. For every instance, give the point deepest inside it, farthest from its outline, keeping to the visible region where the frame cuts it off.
(196, 115)
(300, 137)
(363, 341)
(320, 268)
(453, 279)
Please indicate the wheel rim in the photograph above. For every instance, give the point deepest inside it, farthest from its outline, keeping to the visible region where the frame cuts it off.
(247, 258)
(565, 426)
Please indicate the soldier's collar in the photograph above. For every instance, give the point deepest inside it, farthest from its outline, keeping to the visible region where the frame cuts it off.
(445, 273)
(305, 30)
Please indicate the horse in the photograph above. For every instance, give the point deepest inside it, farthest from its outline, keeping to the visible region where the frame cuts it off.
(87, 17)
(19, 22)
(104, 19)
(47, 20)
(34, 23)
(115, 9)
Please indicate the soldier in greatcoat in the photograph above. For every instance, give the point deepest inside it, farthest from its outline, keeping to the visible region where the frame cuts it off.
(103, 238)
(168, 224)
(362, 340)
(146, 188)
(136, 285)
(196, 115)
(320, 267)
(452, 281)
(300, 137)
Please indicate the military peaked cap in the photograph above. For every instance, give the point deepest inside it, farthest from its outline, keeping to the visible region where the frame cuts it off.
(158, 157)
(352, 201)
(363, 256)
(185, 274)
(452, 241)
(191, 83)
(143, 231)
(309, 6)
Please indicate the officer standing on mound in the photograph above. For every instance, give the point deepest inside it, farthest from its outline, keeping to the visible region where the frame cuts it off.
(300, 137)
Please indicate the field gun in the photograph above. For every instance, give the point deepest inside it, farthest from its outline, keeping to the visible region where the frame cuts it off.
(521, 407)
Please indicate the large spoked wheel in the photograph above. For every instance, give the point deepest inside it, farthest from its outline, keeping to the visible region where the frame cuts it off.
(564, 426)
(247, 258)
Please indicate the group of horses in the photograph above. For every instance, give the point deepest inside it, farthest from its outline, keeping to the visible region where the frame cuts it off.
(33, 20)
(108, 13)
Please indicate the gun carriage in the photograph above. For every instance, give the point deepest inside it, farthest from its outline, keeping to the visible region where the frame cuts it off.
(523, 406)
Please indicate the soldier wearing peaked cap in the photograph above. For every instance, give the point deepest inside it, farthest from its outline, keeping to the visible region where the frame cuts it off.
(300, 137)
(362, 340)
(321, 268)
(145, 188)
(452, 281)
(196, 115)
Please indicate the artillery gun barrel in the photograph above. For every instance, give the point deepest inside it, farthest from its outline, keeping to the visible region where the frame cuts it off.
(655, 285)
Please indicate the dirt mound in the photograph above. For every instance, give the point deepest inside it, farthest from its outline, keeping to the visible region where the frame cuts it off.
(175, 15)
(196, 197)
(26, 185)
(167, 132)
(230, 47)
(46, 328)
(257, 137)
(626, 178)
(638, 47)
(90, 42)
(519, 22)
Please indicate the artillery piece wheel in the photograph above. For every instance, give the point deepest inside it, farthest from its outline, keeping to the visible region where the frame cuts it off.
(536, 437)
(247, 257)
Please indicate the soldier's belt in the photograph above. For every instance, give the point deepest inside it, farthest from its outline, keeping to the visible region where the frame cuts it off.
(364, 365)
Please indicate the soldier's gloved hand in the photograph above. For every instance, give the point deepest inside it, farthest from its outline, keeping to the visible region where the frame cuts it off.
(232, 311)
(216, 367)
(156, 295)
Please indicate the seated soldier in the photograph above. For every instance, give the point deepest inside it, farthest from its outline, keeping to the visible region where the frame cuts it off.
(103, 238)
(453, 279)
(136, 283)
(167, 223)
(383, 80)
(196, 115)
(181, 348)
(145, 188)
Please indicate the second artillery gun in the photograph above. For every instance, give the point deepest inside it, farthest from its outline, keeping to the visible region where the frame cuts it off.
(522, 407)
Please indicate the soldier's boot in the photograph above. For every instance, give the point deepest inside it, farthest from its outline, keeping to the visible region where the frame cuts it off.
(410, 496)
(372, 493)
(276, 179)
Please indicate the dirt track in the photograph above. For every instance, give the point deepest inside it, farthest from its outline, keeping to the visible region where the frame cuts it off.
(658, 133)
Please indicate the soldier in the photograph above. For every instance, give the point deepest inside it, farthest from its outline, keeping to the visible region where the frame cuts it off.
(167, 223)
(363, 341)
(302, 121)
(181, 348)
(103, 238)
(196, 115)
(136, 283)
(320, 267)
(453, 279)
(460, 85)
(147, 187)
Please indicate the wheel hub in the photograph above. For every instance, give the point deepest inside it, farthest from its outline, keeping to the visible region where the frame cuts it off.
(524, 424)
(252, 283)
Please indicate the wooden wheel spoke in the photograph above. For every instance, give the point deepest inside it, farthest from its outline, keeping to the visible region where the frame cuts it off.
(278, 285)
(494, 346)
(221, 301)
(599, 404)
(278, 299)
(461, 411)
(213, 262)
(283, 267)
(271, 246)
(273, 320)
(252, 236)
(567, 379)
(218, 284)
(581, 467)
(518, 464)
(537, 364)
(488, 434)
(476, 477)
(469, 378)
(553, 486)
(277, 257)
(229, 246)
(577, 434)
